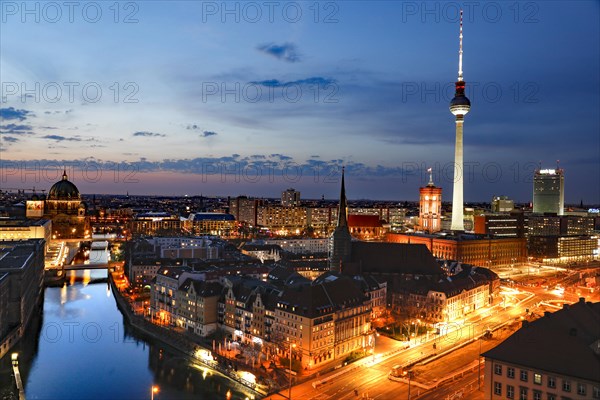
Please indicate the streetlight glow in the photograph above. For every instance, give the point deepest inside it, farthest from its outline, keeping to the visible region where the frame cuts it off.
(153, 391)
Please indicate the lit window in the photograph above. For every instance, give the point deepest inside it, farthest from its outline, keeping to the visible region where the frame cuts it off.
(510, 392)
(498, 388)
(510, 372)
(537, 379)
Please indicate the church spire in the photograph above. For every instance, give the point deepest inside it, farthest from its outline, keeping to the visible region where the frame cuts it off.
(343, 207)
(64, 176)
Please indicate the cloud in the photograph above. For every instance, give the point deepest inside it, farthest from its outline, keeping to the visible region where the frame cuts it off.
(14, 129)
(148, 134)
(192, 127)
(60, 138)
(316, 80)
(10, 139)
(286, 52)
(12, 113)
(208, 133)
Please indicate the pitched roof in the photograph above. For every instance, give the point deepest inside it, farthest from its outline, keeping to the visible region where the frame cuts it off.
(404, 258)
(553, 343)
(368, 221)
(322, 297)
(202, 288)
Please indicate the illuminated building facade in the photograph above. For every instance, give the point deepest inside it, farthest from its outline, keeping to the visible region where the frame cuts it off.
(449, 299)
(538, 361)
(430, 207)
(501, 225)
(219, 224)
(64, 207)
(301, 246)
(24, 229)
(501, 204)
(283, 220)
(473, 249)
(566, 238)
(548, 191)
(325, 320)
(163, 295)
(366, 227)
(197, 306)
(244, 209)
(152, 223)
(290, 198)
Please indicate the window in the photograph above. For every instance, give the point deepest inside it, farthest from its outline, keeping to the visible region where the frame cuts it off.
(551, 382)
(498, 369)
(537, 395)
(566, 386)
(510, 392)
(551, 396)
(498, 388)
(581, 389)
(523, 393)
(510, 372)
(524, 376)
(537, 379)
(596, 392)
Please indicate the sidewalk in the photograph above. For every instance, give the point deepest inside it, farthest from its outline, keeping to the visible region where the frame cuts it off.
(180, 342)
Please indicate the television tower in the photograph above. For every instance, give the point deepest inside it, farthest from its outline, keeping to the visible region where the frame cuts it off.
(459, 106)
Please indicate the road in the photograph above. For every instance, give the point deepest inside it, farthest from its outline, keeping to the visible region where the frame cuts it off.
(370, 377)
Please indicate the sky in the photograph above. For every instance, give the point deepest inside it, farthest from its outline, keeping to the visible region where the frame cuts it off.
(250, 98)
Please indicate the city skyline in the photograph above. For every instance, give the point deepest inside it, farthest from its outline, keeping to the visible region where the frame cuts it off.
(183, 117)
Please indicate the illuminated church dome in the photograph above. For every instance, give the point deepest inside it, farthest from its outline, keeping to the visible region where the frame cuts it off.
(64, 190)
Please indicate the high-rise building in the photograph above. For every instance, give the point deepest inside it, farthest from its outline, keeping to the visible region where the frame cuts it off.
(290, 198)
(502, 204)
(548, 191)
(459, 107)
(244, 209)
(430, 206)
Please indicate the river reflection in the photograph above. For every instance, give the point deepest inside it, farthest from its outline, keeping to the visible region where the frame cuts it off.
(82, 349)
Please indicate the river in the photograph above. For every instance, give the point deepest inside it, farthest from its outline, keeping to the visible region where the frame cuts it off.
(81, 348)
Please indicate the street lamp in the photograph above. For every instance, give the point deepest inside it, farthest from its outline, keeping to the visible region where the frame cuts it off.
(153, 391)
(15, 359)
(409, 376)
(290, 389)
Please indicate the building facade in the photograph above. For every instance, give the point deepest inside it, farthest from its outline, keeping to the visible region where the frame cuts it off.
(478, 250)
(430, 207)
(290, 198)
(549, 191)
(21, 284)
(552, 358)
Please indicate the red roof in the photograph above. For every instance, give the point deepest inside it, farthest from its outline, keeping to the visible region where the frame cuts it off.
(367, 221)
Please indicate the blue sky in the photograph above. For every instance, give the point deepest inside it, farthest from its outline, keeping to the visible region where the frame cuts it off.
(240, 98)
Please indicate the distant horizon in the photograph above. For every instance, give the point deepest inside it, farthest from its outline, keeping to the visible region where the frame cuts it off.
(171, 97)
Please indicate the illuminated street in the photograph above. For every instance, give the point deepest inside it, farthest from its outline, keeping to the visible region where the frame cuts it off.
(371, 379)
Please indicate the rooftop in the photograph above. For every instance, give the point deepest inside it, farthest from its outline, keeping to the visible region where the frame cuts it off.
(554, 341)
